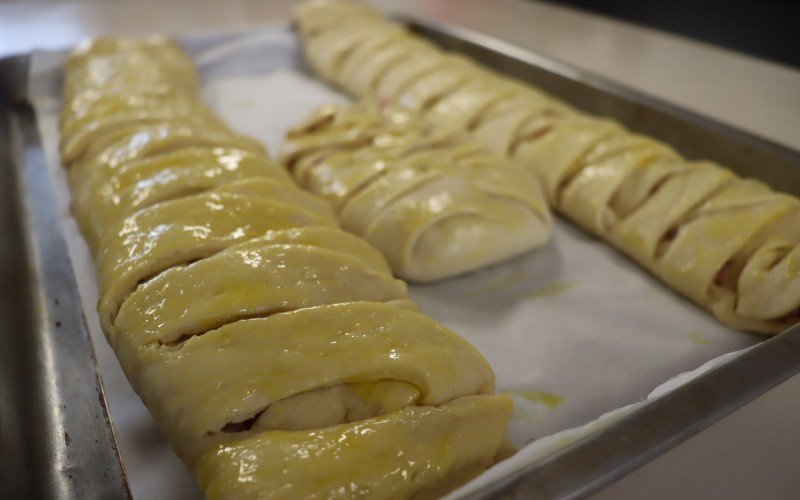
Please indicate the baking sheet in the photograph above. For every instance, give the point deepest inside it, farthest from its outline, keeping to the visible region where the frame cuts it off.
(573, 330)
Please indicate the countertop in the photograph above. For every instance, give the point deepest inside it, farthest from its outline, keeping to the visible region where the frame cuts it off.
(752, 452)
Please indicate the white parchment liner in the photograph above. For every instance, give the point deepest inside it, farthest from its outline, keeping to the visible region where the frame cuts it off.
(574, 331)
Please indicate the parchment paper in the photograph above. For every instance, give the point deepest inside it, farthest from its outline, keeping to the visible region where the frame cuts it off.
(576, 333)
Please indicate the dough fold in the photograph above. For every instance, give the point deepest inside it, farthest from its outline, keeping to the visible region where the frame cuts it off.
(435, 202)
(441, 446)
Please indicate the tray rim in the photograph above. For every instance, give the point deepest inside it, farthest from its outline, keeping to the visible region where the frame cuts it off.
(77, 432)
(550, 476)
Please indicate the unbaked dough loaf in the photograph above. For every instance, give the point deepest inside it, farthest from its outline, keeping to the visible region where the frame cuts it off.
(251, 325)
(433, 200)
(732, 245)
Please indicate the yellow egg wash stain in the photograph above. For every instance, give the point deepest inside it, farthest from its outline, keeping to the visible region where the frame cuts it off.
(497, 286)
(547, 399)
(698, 338)
(553, 289)
(540, 398)
(792, 265)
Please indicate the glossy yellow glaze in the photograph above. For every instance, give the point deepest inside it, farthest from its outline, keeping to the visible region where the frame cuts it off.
(137, 141)
(180, 231)
(324, 237)
(236, 306)
(244, 282)
(233, 373)
(112, 65)
(80, 135)
(336, 404)
(417, 452)
(100, 201)
(280, 191)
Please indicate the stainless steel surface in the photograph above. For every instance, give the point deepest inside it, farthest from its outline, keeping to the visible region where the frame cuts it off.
(56, 439)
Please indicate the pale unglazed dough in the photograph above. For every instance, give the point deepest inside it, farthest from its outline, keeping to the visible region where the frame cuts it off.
(731, 245)
(239, 310)
(435, 202)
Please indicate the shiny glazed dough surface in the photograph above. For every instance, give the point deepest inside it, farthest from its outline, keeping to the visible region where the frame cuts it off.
(236, 306)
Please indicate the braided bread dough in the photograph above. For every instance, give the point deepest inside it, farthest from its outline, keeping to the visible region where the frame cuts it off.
(103, 198)
(244, 317)
(434, 202)
(729, 244)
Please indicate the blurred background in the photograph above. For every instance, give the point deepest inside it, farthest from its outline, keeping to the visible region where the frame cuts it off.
(768, 29)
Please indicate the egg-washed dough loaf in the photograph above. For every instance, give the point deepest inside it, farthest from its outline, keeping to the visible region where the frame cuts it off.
(732, 245)
(435, 202)
(438, 449)
(246, 319)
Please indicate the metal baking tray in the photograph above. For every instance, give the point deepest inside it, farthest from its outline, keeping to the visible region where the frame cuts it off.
(56, 439)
